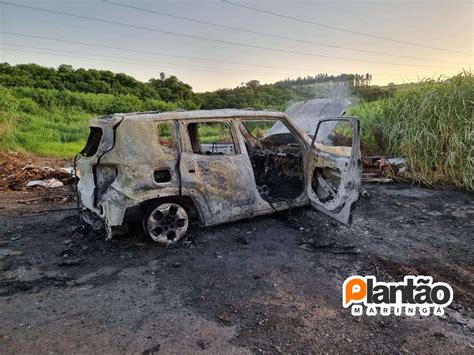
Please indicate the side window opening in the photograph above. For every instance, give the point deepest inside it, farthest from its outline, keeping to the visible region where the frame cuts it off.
(277, 160)
(93, 142)
(166, 135)
(258, 129)
(334, 137)
(211, 138)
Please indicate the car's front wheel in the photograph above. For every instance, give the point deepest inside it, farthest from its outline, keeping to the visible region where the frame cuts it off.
(166, 223)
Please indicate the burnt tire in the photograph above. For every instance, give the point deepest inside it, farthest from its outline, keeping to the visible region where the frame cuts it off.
(166, 223)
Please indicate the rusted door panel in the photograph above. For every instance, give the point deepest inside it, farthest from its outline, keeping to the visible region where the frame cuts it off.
(223, 184)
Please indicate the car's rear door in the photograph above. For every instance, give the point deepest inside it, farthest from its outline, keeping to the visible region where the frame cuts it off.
(215, 172)
(334, 168)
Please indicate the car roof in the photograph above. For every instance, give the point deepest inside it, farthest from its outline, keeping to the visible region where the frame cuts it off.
(197, 114)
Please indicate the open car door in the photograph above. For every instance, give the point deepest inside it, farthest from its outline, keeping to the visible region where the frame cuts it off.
(334, 167)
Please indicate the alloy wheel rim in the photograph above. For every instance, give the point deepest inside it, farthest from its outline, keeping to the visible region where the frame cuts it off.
(167, 223)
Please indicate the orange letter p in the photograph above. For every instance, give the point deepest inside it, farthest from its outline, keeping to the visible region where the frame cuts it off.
(353, 290)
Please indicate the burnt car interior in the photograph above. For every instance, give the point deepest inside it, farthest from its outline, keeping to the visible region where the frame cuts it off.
(277, 164)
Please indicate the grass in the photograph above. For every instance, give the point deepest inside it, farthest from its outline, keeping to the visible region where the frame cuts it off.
(9, 118)
(53, 123)
(432, 125)
(56, 133)
(214, 132)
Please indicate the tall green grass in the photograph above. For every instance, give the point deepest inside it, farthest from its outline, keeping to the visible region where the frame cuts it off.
(9, 117)
(432, 125)
(53, 123)
(52, 133)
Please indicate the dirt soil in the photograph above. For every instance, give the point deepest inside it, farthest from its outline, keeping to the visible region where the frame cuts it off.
(270, 284)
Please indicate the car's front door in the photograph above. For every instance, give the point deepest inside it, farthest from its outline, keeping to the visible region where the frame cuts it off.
(214, 171)
(334, 167)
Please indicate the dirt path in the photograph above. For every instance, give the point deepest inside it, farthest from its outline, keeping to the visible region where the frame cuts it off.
(264, 285)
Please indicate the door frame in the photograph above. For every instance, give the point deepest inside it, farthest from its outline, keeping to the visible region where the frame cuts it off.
(264, 207)
(217, 183)
(341, 207)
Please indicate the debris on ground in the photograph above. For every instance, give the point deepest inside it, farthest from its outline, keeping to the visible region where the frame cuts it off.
(329, 247)
(45, 183)
(397, 165)
(368, 178)
(18, 172)
(382, 169)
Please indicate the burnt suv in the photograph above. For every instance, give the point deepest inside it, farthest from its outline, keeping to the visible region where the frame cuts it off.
(165, 170)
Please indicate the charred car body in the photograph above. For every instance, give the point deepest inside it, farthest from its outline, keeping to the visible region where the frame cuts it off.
(167, 169)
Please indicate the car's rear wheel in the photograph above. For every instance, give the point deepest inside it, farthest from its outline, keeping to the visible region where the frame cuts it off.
(166, 223)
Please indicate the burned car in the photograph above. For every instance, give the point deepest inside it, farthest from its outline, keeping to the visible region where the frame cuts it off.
(166, 170)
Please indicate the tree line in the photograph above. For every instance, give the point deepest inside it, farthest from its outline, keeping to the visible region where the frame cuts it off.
(172, 90)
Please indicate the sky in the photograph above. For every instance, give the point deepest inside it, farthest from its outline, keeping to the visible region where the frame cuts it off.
(414, 39)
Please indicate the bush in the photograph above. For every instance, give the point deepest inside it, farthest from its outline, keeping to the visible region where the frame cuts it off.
(432, 125)
(123, 103)
(158, 105)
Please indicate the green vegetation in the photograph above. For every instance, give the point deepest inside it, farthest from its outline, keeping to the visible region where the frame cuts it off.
(214, 132)
(49, 122)
(259, 128)
(432, 125)
(93, 81)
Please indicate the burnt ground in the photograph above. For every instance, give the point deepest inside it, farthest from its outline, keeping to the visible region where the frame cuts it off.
(270, 284)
